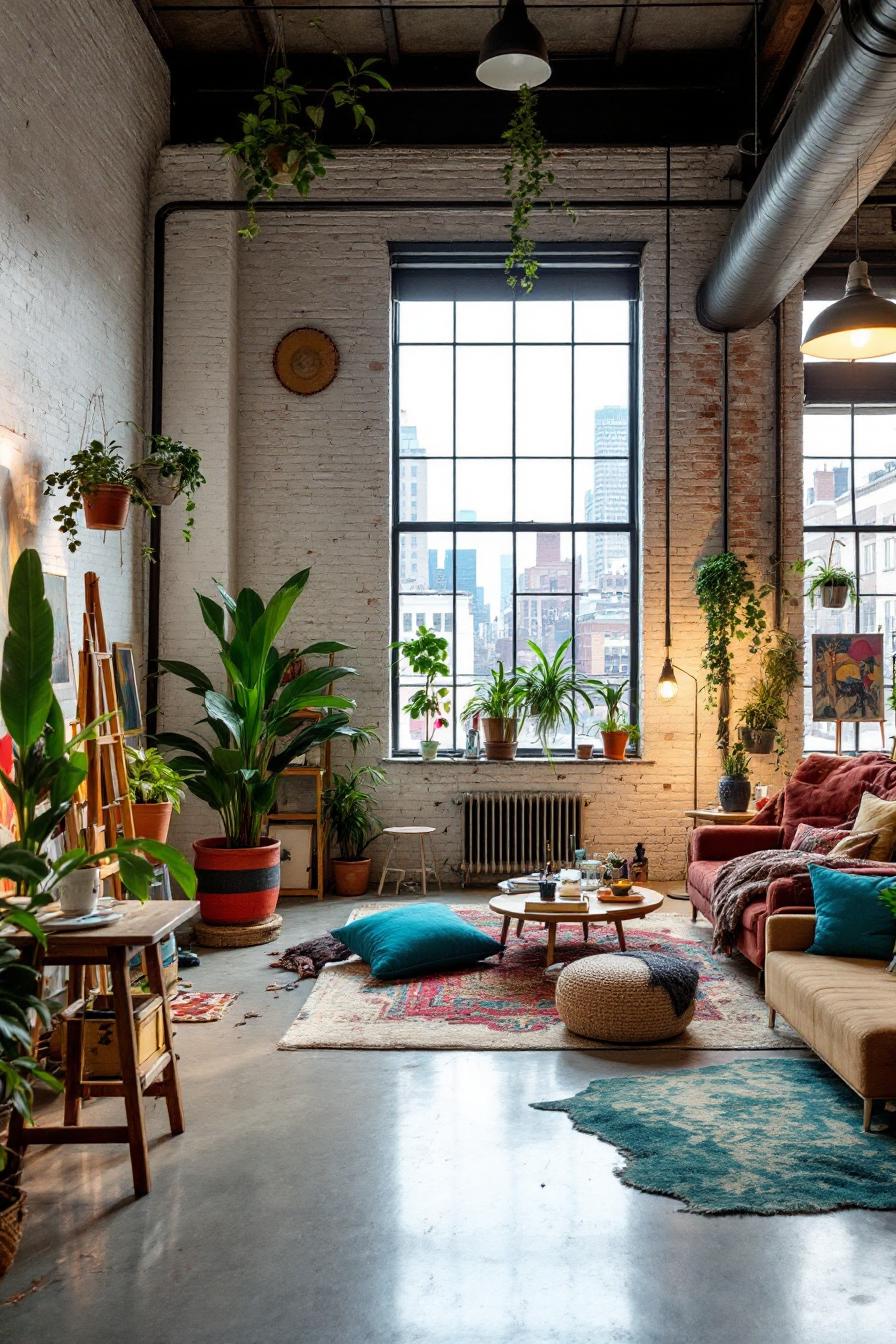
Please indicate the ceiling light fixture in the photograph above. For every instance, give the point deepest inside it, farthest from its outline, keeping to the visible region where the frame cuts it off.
(514, 52)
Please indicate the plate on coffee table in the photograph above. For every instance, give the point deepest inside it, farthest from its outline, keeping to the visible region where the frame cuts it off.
(63, 923)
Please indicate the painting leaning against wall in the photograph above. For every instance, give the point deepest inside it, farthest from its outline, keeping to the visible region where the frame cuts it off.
(848, 678)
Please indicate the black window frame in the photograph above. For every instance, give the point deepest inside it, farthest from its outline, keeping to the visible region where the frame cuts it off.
(485, 265)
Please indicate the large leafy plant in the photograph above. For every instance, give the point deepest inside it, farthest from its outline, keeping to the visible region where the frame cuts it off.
(427, 657)
(253, 721)
(551, 692)
(348, 809)
(48, 770)
(500, 697)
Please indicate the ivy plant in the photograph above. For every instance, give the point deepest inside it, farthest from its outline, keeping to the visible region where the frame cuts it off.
(527, 175)
(732, 607)
(98, 463)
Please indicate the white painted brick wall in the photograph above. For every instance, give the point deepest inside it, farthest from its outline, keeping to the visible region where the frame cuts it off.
(84, 109)
(312, 474)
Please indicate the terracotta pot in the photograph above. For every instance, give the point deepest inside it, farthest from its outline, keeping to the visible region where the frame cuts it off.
(758, 741)
(584, 750)
(734, 793)
(236, 886)
(12, 1215)
(834, 595)
(615, 745)
(499, 737)
(159, 490)
(351, 877)
(106, 508)
(276, 160)
(151, 820)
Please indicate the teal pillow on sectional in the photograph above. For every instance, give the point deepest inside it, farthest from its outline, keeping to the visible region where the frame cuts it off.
(414, 940)
(850, 918)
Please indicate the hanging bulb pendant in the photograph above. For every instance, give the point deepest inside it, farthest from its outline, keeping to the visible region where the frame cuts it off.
(514, 52)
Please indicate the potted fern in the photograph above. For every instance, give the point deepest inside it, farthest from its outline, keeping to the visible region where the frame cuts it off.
(351, 825)
(834, 582)
(499, 704)
(550, 691)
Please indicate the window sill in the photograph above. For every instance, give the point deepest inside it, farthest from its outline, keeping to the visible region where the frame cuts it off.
(557, 761)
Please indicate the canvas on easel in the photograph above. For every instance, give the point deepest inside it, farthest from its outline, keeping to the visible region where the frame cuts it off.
(848, 680)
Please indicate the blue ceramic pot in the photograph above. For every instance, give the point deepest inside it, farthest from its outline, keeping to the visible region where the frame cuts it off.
(734, 793)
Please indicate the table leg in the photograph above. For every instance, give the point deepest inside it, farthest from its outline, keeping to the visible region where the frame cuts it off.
(505, 929)
(552, 943)
(127, 1049)
(620, 934)
(155, 974)
(422, 866)
(585, 927)
(519, 927)
(379, 890)
(436, 871)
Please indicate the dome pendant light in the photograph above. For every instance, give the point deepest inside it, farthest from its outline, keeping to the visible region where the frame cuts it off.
(514, 52)
(861, 325)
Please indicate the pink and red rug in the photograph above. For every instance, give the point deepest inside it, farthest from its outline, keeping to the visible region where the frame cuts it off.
(509, 1005)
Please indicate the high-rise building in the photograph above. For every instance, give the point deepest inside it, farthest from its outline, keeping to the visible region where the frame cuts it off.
(413, 561)
(607, 501)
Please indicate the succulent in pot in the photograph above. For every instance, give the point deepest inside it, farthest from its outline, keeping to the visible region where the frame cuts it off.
(551, 693)
(499, 704)
(734, 786)
(255, 739)
(155, 790)
(427, 656)
(97, 479)
(170, 469)
(616, 732)
(835, 583)
(352, 825)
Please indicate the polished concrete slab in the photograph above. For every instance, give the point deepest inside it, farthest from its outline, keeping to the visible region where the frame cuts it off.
(339, 1197)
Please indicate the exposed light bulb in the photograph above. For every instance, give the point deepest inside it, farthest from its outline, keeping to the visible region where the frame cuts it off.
(667, 687)
(859, 338)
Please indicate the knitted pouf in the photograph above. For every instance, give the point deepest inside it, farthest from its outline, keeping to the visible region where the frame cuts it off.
(624, 996)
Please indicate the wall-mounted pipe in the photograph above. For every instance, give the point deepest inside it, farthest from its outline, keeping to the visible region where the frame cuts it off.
(805, 192)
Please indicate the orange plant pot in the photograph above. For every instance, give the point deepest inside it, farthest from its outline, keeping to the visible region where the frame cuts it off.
(236, 886)
(615, 745)
(351, 877)
(151, 820)
(106, 508)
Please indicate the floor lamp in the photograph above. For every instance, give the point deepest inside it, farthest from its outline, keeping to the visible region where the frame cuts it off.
(666, 685)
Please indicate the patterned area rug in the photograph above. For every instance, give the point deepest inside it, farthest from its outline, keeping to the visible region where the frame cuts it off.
(786, 1137)
(509, 1005)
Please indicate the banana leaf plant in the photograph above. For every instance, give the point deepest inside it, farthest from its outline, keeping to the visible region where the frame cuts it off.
(253, 722)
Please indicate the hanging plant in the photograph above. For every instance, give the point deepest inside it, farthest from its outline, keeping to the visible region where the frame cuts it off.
(732, 607)
(280, 142)
(526, 177)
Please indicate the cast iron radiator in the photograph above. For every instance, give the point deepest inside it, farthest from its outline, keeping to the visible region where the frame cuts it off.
(507, 833)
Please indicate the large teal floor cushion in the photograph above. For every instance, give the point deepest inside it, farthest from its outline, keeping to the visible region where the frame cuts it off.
(850, 918)
(415, 939)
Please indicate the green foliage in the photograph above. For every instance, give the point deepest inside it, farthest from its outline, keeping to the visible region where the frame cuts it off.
(526, 177)
(501, 697)
(888, 896)
(348, 809)
(827, 574)
(237, 774)
(732, 607)
(98, 463)
(427, 656)
(612, 697)
(48, 769)
(179, 461)
(736, 762)
(151, 779)
(551, 693)
(283, 135)
(780, 672)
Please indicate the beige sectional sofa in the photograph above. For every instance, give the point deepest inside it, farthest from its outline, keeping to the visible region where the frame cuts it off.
(843, 1007)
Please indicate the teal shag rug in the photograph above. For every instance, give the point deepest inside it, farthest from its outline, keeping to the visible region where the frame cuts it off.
(764, 1136)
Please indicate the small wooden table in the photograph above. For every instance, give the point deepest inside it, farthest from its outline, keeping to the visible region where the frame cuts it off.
(599, 912)
(714, 816)
(143, 928)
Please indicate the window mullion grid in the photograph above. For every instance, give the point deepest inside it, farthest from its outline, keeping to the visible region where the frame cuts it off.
(513, 578)
(572, 495)
(455, 705)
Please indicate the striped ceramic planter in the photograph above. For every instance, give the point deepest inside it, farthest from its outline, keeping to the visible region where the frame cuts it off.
(236, 886)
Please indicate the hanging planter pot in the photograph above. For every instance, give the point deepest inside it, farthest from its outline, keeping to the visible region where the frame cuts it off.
(275, 157)
(834, 595)
(106, 508)
(158, 490)
(758, 741)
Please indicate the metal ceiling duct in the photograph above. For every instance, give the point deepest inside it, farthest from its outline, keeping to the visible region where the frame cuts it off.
(805, 192)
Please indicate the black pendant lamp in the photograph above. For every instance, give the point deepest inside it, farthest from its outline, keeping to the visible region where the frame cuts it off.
(514, 52)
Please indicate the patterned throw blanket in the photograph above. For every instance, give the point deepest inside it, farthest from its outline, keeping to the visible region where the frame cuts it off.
(743, 880)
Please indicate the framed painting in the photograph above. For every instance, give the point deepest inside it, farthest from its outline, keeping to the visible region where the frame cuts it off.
(62, 675)
(848, 678)
(126, 688)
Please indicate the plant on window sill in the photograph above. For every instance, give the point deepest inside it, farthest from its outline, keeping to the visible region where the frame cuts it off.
(426, 656)
(526, 177)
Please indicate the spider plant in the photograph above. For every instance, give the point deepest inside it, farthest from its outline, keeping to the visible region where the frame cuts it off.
(550, 692)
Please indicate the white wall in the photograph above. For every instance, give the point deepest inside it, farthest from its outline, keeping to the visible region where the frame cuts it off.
(312, 481)
(84, 109)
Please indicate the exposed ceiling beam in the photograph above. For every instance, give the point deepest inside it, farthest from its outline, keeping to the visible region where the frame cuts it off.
(150, 16)
(390, 32)
(625, 32)
(257, 24)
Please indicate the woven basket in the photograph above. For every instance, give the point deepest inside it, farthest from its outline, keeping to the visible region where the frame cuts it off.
(238, 935)
(12, 1217)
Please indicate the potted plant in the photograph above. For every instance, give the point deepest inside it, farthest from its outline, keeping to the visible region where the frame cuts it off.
(426, 655)
(280, 142)
(238, 773)
(98, 479)
(585, 747)
(550, 692)
(615, 731)
(836, 584)
(732, 607)
(169, 469)
(48, 769)
(734, 786)
(498, 702)
(766, 707)
(155, 791)
(352, 825)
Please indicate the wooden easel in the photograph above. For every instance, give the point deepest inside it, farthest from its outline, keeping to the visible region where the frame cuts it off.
(838, 732)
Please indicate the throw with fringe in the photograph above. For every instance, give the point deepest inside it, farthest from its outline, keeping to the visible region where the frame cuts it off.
(678, 978)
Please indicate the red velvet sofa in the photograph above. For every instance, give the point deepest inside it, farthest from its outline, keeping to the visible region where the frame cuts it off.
(823, 791)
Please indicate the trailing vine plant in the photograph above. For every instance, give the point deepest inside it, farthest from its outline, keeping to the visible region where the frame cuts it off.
(526, 176)
(732, 607)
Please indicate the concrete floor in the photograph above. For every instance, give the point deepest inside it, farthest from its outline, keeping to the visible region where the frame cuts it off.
(337, 1197)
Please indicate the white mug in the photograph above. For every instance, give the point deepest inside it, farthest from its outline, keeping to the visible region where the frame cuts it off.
(79, 892)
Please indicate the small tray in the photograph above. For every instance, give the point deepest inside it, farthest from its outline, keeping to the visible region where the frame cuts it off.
(74, 923)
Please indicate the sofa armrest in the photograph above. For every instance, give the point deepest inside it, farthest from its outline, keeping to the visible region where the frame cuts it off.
(789, 933)
(728, 842)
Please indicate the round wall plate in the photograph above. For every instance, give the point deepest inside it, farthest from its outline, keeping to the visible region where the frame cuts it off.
(306, 361)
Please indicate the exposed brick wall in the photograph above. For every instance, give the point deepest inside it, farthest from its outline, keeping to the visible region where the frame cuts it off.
(84, 107)
(312, 474)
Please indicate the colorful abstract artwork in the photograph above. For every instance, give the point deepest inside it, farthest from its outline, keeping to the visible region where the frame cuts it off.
(848, 678)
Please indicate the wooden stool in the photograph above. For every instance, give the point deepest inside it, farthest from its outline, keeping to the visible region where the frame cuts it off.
(395, 833)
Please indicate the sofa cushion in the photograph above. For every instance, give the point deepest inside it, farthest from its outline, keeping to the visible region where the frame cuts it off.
(818, 839)
(850, 918)
(826, 790)
(414, 940)
(878, 814)
(702, 875)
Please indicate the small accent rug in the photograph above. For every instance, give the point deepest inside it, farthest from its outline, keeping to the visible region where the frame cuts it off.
(509, 1004)
(759, 1136)
(193, 1007)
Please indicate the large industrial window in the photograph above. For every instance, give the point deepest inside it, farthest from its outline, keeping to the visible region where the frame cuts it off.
(515, 468)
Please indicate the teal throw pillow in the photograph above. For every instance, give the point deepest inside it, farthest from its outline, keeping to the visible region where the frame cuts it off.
(414, 940)
(850, 918)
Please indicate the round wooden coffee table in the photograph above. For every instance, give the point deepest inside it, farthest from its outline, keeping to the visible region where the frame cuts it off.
(599, 912)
